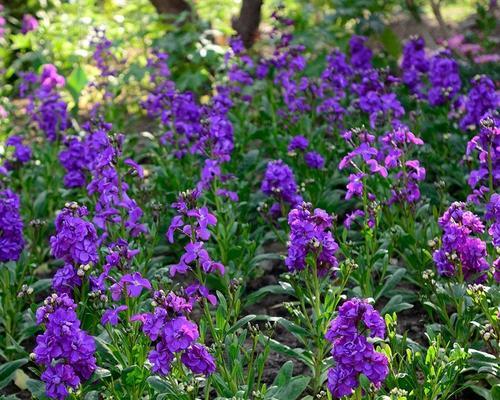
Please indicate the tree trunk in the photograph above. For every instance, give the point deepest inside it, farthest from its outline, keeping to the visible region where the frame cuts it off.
(436, 10)
(247, 24)
(171, 6)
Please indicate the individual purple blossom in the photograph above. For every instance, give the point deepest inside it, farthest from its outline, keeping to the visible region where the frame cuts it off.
(355, 185)
(197, 291)
(30, 23)
(352, 352)
(111, 316)
(132, 283)
(310, 233)
(352, 216)
(50, 78)
(314, 160)
(11, 227)
(161, 358)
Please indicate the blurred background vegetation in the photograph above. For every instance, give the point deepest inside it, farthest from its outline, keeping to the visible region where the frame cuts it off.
(196, 39)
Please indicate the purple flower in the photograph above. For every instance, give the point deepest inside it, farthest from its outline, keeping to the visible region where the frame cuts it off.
(161, 358)
(133, 283)
(30, 23)
(481, 99)
(352, 216)
(179, 334)
(65, 280)
(198, 360)
(352, 353)
(314, 160)
(110, 316)
(22, 153)
(460, 250)
(361, 56)
(11, 227)
(75, 240)
(414, 65)
(298, 143)
(57, 379)
(444, 77)
(309, 234)
(279, 182)
(64, 348)
(355, 185)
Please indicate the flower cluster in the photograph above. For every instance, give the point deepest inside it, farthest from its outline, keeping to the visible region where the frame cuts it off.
(352, 351)
(11, 227)
(174, 334)
(64, 349)
(75, 242)
(75, 160)
(119, 256)
(414, 65)
(110, 188)
(310, 233)
(21, 153)
(45, 106)
(367, 154)
(461, 253)
(493, 214)
(388, 159)
(395, 147)
(486, 145)
(279, 182)
(481, 99)
(444, 78)
(193, 222)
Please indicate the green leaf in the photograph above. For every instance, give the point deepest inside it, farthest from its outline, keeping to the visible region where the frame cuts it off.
(293, 389)
(8, 370)
(36, 388)
(284, 374)
(241, 323)
(391, 42)
(162, 386)
(76, 82)
(391, 282)
(297, 353)
(481, 391)
(395, 305)
(258, 295)
(93, 395)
